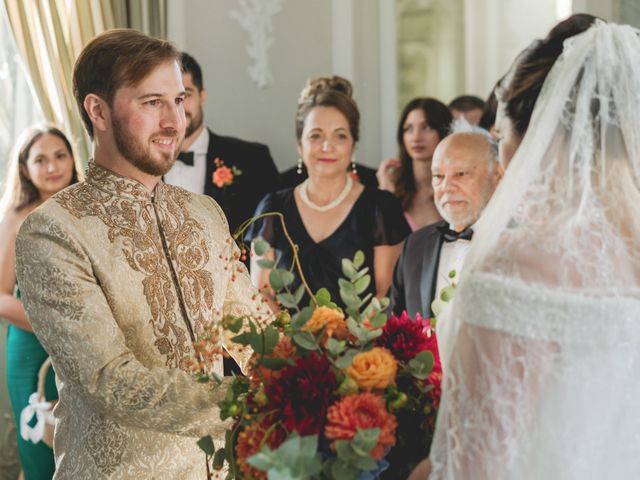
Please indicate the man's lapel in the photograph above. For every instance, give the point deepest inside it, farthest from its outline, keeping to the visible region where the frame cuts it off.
(213, 151)
(429, 271)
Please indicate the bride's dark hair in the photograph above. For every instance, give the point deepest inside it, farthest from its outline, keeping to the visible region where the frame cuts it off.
(333, 92)
(519, 90)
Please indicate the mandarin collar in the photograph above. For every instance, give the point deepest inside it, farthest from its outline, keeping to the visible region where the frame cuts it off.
(119, 186)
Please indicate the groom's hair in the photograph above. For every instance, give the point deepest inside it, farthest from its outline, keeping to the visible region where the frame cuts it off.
(117, 58)
(521, 86)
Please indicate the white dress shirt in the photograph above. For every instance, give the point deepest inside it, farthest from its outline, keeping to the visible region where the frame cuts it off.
(189, 177)
(452, 256)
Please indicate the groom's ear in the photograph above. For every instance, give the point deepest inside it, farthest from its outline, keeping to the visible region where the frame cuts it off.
(98, 112)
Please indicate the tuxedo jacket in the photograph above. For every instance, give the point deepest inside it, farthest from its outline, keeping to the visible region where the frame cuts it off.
(259, 176)
(415, 276)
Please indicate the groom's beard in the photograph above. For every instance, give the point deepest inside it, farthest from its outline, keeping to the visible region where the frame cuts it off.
(194, 121)
(140, 154)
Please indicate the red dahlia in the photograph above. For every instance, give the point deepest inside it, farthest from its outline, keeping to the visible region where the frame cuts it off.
(405, 338)
(302, 393)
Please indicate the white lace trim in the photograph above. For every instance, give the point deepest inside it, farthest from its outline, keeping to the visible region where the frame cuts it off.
(543, 313)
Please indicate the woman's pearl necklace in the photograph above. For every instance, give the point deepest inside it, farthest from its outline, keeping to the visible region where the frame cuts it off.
(304, 196)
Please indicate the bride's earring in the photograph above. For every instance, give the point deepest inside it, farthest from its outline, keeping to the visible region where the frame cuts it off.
(299, 169)
(354, 169)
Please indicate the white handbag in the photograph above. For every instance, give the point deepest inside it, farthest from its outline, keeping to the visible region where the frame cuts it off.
(42, 409)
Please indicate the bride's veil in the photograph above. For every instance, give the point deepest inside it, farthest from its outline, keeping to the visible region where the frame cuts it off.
(544, 368)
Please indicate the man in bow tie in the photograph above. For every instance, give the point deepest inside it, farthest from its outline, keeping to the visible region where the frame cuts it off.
(204, 152)
(465, 172)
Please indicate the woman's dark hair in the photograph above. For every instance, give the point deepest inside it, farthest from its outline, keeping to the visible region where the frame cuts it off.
(488, 119)
(519, 90)
(21, 191)
(439, 118)
(333, 92)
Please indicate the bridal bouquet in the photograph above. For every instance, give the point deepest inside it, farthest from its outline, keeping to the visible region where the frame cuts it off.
(330, 394)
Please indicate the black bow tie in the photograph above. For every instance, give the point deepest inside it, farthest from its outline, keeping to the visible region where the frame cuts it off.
(186, 158)
(451, 235)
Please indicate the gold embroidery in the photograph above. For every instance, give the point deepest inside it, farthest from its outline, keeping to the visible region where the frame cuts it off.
(105, 444)
(126, 208)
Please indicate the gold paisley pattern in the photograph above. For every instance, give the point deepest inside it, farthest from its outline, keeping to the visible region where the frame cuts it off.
(116, 281)
(105, 444)
(127, 210)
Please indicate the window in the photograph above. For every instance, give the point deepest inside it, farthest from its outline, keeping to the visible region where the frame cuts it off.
(19, 108)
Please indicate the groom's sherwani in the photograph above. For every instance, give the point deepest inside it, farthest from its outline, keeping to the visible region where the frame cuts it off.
(117, 283)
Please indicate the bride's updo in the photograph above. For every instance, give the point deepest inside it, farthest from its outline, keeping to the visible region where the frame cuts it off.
(335, 92)
(521, 86)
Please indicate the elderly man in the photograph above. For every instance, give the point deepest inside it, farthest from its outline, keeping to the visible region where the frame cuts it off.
(465, 172)
(122, 272)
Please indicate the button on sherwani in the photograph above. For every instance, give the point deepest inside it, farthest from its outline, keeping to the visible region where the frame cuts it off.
(117, 283)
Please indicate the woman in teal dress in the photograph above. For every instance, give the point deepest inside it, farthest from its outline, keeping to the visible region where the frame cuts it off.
(42, 166)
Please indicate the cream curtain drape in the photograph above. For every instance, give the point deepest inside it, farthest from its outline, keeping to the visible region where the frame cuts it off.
(50, 35)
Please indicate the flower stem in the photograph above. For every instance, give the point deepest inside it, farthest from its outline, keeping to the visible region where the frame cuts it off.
(296, 261)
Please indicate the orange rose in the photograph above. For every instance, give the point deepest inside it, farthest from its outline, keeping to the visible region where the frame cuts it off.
(375, 369)
(362, 411)
(334, 321)
(222, 176)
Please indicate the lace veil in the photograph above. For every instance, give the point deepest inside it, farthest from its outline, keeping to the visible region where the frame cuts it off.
(544, 369)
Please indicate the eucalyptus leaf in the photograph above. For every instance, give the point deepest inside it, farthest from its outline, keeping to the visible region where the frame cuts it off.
(384, 302)
(346, 360)
(270, 337)
(323, 297)
(305, 340)
(366, 463)
(353, 326)
(346, 286)
(362, 284)
(299, 319)
(348, 268)
(206, 445)
(372, 334)
(287, 300)
(365, 439)
(358, 259)
(335, 347)
(341, 470)
(219, 458)
(421, 365)
(280, 278)
(298, 294)
(235, 325)
(378, 320)
(296, 458)
(260, 246)
(266, 264)
(360, 274)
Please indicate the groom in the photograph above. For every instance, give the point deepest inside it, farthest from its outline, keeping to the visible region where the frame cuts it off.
(465, 172)
(122, 272)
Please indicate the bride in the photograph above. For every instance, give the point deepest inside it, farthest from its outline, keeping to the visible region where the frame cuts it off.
(542, 372)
